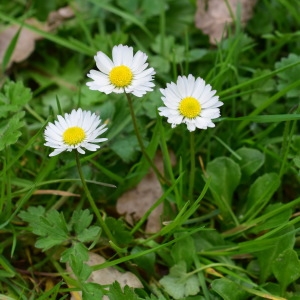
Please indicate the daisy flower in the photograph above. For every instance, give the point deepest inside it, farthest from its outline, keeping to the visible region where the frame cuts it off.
(190, 101)
(125, 72)
(77, 130)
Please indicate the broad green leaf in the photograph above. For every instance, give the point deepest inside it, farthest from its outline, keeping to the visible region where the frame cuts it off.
(228, 289)
(81, 219)
(205, 240)
(225, 177)
(178, 283)
(277, 220)
(128, 5)
(118, 230)
(12, 101)
(10, 129)
(184, 250)
(160, 64)
(168, 44)
(126, 147)
(81, 270)
(152, 8)
(146, 262)
(51, 227)
(116, 293)
(92, 291)
(17, 94)
(260, 193)
(76, 256)
(286, 268)
(32, 213)
(77, 249)
(288, 76)
(251, 161)
(196, 54)
(285, 239)
(262, 88)
(89, 234)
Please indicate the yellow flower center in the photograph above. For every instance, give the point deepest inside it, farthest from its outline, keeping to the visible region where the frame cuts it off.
(189, 107)
(73, 136)
(120, 76)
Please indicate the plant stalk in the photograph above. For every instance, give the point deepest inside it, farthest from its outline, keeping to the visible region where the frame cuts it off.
(92, 202)
(140, 141)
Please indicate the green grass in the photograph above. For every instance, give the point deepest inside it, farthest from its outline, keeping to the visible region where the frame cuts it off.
(230, 223)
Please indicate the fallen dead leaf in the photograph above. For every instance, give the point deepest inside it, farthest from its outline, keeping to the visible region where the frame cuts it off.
(213, 16)
(56, 18)
(27, 38)
(135, 203)
(26, 42)
(107, 276)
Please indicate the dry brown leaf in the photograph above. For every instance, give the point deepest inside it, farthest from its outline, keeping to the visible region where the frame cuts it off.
(26, 42)
(56, 18)
(27, 38)
(135, 203)
(213, 16)
(107, 276)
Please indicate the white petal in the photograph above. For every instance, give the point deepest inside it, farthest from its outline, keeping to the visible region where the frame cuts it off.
(103, 62)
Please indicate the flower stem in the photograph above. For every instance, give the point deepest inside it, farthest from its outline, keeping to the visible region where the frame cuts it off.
(92, 202)
(143, 149)
(192, 170)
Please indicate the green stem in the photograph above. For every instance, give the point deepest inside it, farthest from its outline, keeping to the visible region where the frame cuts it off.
(201, 278)
(140, 141)
(192, 170)
(92, 202)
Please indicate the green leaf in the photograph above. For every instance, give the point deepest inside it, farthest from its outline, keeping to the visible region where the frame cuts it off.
(128, 5)
(285, 240)
(77, 249)
(14, 98)
(81, 219)
(11, 103)
(76, 256)
(10, 50)
(89, 234)
(17, 94)
(9, 130)
(118, 230)
(146, 262)
(152, 8)
(288, 76)
(228, 289)
(263, 88)
(277, 220)
(286, 268)
(251, 161)
(168, 44)
(225, 177)
(296, 161)
(260, 193)
(51, 227)
(178, 283)
(126, 147)
(32, 213)
(208, 239)
(116, 293)
(81, 270)
(184, 250)
(92, 291)
(196, 54)
(160, 64)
